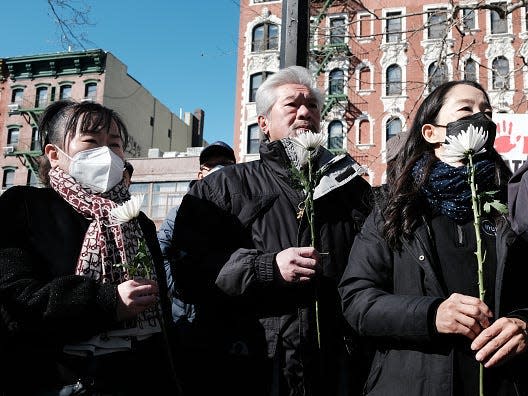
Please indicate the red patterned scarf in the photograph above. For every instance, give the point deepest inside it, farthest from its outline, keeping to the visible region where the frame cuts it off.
(104, 249)
(104, 245)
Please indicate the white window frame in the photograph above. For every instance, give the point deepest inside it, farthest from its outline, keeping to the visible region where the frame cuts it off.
(365, 64)
(357, 122)
(346, 25)
(509, 22)
(387, 11)
(429, 8)
(476, 15)
(369, 21)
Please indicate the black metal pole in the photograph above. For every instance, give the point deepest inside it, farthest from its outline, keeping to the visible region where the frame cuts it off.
(295, 33)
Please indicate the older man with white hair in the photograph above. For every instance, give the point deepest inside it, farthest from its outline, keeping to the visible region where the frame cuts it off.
(266, 296)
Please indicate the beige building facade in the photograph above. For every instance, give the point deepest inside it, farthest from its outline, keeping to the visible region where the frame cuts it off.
(29, 83)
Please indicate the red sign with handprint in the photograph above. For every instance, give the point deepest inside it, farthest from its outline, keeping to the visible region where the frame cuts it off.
(512, 138)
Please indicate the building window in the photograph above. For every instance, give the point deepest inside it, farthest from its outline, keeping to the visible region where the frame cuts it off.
(160, 197)
(336, 83)
(32, 179)
(255, 80)
(498, 25)
(253, 140)
(42, 97)
(9, 178)
(364, 132)
(335, 135)
(393, 27)
(337, 30)
(436, 24)
(364, 79)
(394, 80)
(65, 92)
(17, 95)
(90, 91)
(35, 140)
(265, 37)
(468, 19)
(470, 70)
(365, 25)
(12, 136)
(500, 73)
(437, 75)
(393, 127)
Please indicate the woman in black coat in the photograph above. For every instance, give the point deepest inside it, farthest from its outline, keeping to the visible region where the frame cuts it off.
(75, 316)
(410, 287)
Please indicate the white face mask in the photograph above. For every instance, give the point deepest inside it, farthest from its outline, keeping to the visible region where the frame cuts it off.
(97, 169)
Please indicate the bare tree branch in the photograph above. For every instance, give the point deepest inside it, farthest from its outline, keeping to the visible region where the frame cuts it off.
(71, 18)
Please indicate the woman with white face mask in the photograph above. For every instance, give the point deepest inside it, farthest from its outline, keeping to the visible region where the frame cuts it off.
(77, 317)
(411, 283)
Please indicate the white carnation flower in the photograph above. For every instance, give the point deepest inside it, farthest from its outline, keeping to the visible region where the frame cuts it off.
(307, 141)
(127, 210)
(470, 141)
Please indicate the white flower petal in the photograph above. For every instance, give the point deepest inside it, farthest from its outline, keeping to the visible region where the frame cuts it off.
(127, 210)
(309, 140)
(460, 146)
(305, 142)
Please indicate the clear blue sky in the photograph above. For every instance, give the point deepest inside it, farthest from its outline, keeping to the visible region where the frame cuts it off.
(183, 52)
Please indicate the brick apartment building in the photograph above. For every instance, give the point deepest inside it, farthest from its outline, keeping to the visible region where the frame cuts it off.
(376, 60)
(29, 83)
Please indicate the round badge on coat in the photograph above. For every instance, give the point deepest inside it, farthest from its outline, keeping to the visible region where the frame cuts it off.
(488, 227)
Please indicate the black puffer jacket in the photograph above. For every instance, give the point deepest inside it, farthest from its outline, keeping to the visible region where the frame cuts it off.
(229, 228)
(391, 298)
(44, 306)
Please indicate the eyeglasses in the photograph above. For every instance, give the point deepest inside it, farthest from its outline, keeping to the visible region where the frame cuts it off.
(207, 167)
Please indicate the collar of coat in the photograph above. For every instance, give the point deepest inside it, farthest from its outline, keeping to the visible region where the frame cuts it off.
(337, 170)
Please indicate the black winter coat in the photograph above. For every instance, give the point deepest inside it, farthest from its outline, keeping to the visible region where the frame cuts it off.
(228, 230)
(44, 306)
(391, 298)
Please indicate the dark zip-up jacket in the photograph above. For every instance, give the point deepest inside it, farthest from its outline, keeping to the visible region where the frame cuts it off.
(391, 298)
(44, 305)
(229, 228)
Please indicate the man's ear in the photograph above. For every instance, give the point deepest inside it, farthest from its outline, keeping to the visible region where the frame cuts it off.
(53, 155)
(263, 123)
(432, 134)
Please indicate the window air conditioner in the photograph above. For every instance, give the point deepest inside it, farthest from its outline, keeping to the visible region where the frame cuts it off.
(13, 107)
(90, 100)
(9, 149)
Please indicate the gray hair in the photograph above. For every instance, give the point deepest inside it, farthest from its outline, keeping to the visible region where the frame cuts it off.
(266, 94)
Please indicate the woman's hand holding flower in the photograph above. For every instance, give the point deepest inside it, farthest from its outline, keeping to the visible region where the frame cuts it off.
(135, 296)
(461, 314)
(501, 341)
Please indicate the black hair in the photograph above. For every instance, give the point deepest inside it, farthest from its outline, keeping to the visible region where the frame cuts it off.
(403, 206)
(129, 168)
(60, 121)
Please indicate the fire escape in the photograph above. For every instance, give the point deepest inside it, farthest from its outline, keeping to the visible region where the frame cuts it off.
(335, 46)
(27, 158)
(46, 66)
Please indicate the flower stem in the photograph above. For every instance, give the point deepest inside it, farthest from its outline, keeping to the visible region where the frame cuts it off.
(310, 200)
(480, 261)
(311, 221)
